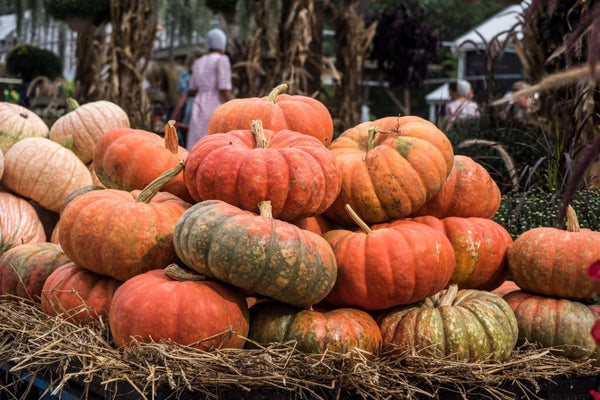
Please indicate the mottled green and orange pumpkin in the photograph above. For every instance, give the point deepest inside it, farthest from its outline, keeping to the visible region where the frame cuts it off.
(24, 269)
(461, 324)
(122, 234)
(554, 262)
(129, 159)
(469, 191)
(315, 331)
(295, 172)
(44, 171)
(255, 252)
(561, 324)
(81, 128)
(16, 123)
(388, 266)
(480, 247)
(390, 167)
(159, 305)
(78, 294)
(277, 112)
(19, 222)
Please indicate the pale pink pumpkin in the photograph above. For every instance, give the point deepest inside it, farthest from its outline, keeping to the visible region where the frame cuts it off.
(44, 171)
(17, 123)
(1, 163)
(19, 222)
(81, 128)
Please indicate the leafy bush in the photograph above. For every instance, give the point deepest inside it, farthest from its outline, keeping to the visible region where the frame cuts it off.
(97, 10)
(520, 212)
(28, 62)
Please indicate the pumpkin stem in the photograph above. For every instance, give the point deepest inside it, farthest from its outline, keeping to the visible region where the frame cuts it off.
(72, 104)
(372, 136)
(24, 115)
(428, 302)
(448, 298)
(572, 220)
(276, 92)
(153, 187)
(259, 134)
(363, 225)
(171, 142)
(265, 209)
(177, 273)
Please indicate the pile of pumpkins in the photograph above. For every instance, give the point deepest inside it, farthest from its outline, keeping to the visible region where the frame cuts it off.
(269, 230)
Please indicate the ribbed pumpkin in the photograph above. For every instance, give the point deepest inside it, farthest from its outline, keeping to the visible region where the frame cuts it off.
(554, 262)
(83, 125)
(480, 247)
(164, 305)
(389, 266)
(78, 294)
(293, 171)
(469, 191)
(19, 222)
(129, 159)
(255, 252)
(390, 168)
(315, 331)
(554, 322)
(24, 269)
(465, 325)
(44, 171)
(122, 234)
(18, 123)
(277, 112)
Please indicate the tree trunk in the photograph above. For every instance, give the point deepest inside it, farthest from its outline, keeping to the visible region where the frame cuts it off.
(132, 38)
(353, 40)
(91, 57)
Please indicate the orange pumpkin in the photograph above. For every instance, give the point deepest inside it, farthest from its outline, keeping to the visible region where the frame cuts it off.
(469, 191)
(277, 112)
(81, 128)
(244, 167)
(44, 171)
(390, 168)
(389, 266)
(19, 222)
(317, 224)
(77, 294)
(200, 313)
(554, 262)
(480, 247)
(122, 234)
(18, 123)
(129, 159)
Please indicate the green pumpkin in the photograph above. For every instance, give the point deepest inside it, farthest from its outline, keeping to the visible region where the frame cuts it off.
(465, 325)
(340, 330)
(255, 252)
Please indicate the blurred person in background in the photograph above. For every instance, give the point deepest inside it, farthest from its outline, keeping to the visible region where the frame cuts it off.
(210, 84)
(462, 106)
(182, 111)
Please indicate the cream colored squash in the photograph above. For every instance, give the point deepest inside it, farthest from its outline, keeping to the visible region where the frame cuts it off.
(81, 128)
(17, 123)
(44, 171)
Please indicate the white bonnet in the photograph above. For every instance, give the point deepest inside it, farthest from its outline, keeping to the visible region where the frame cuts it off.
(463, 87)
(216, 39)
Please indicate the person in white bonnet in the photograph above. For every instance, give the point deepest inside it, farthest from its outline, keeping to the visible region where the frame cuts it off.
(462, 106)
(210, 85)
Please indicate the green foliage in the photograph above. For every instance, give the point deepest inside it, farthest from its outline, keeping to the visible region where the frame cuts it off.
(27, 62)
(521, 142)
(97, 10)
(520, 212)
